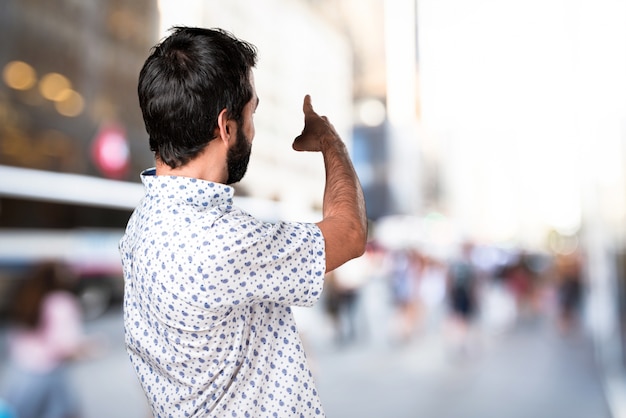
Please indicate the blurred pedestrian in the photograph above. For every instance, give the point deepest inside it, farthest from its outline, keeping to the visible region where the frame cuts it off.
(208, 287)
(432, 290)
(521, 283)
(344, 286)
(338, 303)
(45, 336)
(405, 290)
(570, 286)
(462, 296)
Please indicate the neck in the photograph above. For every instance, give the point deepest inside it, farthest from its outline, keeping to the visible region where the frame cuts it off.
(209, 165)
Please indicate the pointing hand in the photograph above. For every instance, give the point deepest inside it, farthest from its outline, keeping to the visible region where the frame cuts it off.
(317, 130)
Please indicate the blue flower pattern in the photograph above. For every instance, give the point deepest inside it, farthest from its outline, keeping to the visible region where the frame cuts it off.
(208, 289)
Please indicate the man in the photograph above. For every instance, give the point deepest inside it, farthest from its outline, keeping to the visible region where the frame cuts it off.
(208, 287)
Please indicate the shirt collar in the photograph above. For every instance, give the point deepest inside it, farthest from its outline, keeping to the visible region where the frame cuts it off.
(187, 190)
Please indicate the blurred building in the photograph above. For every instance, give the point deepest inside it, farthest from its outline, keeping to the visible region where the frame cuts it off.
(388, 151)
(68, 99)
(70, 69)
(68, 94)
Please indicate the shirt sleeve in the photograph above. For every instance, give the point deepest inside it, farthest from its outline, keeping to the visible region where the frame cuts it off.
(283, 263)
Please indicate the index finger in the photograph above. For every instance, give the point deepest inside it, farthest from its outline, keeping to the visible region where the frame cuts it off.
(306, 105)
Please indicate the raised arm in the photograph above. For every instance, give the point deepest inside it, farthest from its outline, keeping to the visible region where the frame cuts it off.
(344, 223)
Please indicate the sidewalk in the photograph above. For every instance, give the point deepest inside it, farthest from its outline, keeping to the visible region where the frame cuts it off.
(527, 371)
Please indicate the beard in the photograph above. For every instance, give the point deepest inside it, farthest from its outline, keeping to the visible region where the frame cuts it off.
(238, 157)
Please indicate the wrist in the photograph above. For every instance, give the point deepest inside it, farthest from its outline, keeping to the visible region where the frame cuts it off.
(332, 143)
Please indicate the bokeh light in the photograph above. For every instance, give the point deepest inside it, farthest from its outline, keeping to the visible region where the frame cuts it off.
(19, 75)
(70, 103)
(54, 87)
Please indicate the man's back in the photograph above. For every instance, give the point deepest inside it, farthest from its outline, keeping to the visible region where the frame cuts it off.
(208, 289)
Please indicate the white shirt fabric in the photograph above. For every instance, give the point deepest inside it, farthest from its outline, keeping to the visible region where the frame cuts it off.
(207, 316)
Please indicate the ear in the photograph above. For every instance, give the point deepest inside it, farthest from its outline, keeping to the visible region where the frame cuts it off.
(226, 127)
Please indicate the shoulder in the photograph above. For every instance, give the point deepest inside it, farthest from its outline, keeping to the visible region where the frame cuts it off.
(239, 220)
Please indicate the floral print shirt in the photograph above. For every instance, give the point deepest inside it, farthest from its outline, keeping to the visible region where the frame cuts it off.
(208, 289)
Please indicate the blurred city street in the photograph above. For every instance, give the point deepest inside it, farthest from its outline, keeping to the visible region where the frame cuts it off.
(527, 371)
(489, 140)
